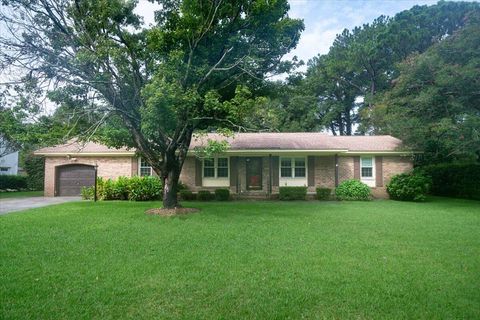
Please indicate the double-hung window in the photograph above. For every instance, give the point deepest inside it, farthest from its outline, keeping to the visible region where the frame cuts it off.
(215, 168)
(145, 169)
(366, 167)
(292, 168)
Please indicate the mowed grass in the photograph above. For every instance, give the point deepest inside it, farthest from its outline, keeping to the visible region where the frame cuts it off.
(243, 260)
(20, 194)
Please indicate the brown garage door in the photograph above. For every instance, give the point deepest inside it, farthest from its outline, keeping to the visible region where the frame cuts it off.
(71, 179)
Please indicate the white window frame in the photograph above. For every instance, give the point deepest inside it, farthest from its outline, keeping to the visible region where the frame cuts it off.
(293, 180)
(216, 181)
(370, 181)
(140, 167)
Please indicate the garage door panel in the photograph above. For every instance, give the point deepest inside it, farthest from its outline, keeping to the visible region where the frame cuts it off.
(72, 178)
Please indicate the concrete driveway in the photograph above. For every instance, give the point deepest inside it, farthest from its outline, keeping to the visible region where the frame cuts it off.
(18, 204)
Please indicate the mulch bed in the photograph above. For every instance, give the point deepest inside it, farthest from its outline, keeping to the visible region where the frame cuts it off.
(171, 212)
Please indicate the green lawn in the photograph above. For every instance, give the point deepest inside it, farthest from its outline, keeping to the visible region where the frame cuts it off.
(20, 194)
(241, 260)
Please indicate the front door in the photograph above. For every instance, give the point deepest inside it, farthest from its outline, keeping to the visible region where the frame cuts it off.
(254, 173)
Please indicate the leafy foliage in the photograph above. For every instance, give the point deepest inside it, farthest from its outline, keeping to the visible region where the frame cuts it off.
(434, 104)
(323, 193)
(205, 195)
(459, 180)
(222, 194)
(353, 190)
(409, 187)
(14, 182)
(135, 188)
(35, 168)
(144, 188)
(340, 88)
(292, 193)
(187, 195)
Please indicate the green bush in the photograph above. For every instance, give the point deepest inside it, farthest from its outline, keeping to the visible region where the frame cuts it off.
(13, 182)
(458, 180)
(123, 188)
(35, 168)
(120, 189)
(222, 194)
(87, 193)
(145, 188)
(353, 190)
(205, 195)
(292, 193)
(408, 187)
(323, 193)
(187, 195)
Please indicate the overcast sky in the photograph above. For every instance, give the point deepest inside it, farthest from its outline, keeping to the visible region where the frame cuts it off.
(324, 19)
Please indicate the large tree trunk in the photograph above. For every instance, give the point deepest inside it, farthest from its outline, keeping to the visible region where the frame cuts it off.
(170, 186)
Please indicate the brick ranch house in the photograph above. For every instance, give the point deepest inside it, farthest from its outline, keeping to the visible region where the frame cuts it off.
(255, 165)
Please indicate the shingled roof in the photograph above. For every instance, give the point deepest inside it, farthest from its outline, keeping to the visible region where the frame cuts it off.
(292, 141)
(75, 147)
(303, 141)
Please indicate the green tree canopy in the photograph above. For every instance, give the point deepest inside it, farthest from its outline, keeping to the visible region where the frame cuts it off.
(434, 105)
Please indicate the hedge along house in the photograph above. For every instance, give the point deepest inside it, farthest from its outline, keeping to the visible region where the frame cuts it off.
(255, 164)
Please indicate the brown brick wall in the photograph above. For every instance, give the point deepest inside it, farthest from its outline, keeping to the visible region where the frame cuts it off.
(108, 168)
(187, 176)
(345, 168)
(395, 165)
(114, 167)
(325, 172)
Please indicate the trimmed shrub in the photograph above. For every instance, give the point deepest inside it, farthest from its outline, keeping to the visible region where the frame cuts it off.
(205, 195)
(120, 189)
(458, 180)
(408, 187)
(13, 182)
(87, 193)
(123, 188)
(292, 193)
(323, 193)
(353, 190)
(145, 188)
(222, 194)
(187, 195)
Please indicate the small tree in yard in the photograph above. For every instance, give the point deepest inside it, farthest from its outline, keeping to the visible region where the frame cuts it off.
(147, 88)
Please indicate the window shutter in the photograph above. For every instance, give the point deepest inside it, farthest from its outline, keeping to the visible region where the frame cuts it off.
(233, 171)
(311, 171)
(275, 174)
(379, 171)
(198, 172)
(356, 168)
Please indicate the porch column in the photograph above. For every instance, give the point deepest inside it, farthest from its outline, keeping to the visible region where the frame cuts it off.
(270, 174)
(336, 170)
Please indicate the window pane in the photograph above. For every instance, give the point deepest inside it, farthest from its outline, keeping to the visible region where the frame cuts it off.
(367, 172)
(222, 162)
(300, 162)
(286, 172)
(145, 171)
(286, 162)
(208, 162)
(367, 162)
(299, 172)
(222, 172)
(208, 172)
(144, 163)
